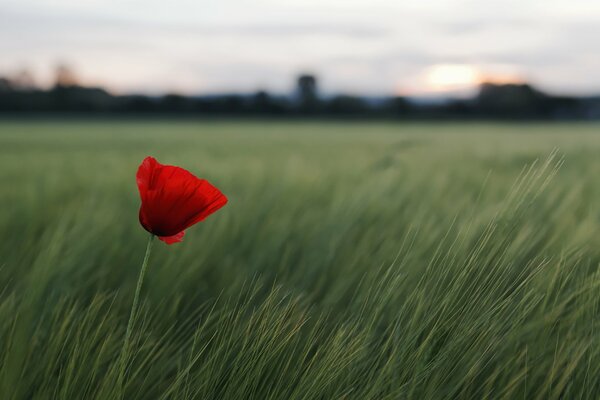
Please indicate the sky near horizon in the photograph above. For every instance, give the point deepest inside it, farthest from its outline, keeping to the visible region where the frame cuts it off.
(374, 47)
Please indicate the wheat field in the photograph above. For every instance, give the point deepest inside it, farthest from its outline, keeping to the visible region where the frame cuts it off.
(354, 260)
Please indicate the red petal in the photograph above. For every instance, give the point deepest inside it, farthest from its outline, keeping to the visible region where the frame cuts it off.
(173, 239)
(173, 199)
(145, 173)
(211, 200)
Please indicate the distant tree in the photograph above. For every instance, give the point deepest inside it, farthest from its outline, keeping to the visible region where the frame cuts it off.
(347, 105)
(307, 94)
(175, 103)
(263, 103)
(307, 86)
(23, 80)
(399, 106)
(6, 85)
(234, 104)
(511, 100)
(65, 76)
(138, 104)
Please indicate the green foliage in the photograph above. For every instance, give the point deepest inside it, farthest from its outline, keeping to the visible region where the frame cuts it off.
(354, 261)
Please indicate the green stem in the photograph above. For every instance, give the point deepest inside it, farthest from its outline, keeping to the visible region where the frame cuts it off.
(132, 315)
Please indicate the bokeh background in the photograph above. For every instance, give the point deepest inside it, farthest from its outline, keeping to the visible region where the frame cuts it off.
(448, 58)
(414, 202)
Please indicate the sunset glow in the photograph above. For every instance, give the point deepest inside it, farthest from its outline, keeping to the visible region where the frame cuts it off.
(446, 77)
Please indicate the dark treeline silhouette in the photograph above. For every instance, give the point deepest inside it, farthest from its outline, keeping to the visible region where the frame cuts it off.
(494, 101)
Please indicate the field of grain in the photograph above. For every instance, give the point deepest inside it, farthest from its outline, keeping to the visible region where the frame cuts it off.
(353, 261)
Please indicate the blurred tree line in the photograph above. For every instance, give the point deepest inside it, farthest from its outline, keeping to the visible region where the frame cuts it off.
(19, 94)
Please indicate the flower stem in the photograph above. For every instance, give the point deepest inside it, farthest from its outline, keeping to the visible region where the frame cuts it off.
(132, 316)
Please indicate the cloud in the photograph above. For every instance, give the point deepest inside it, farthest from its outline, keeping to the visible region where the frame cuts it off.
(38, 23)
(354, 45)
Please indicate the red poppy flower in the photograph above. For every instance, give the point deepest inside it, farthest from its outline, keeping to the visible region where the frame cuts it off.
(173, 199)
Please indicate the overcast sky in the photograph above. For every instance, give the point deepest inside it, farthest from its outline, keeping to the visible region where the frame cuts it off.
(368, 46)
